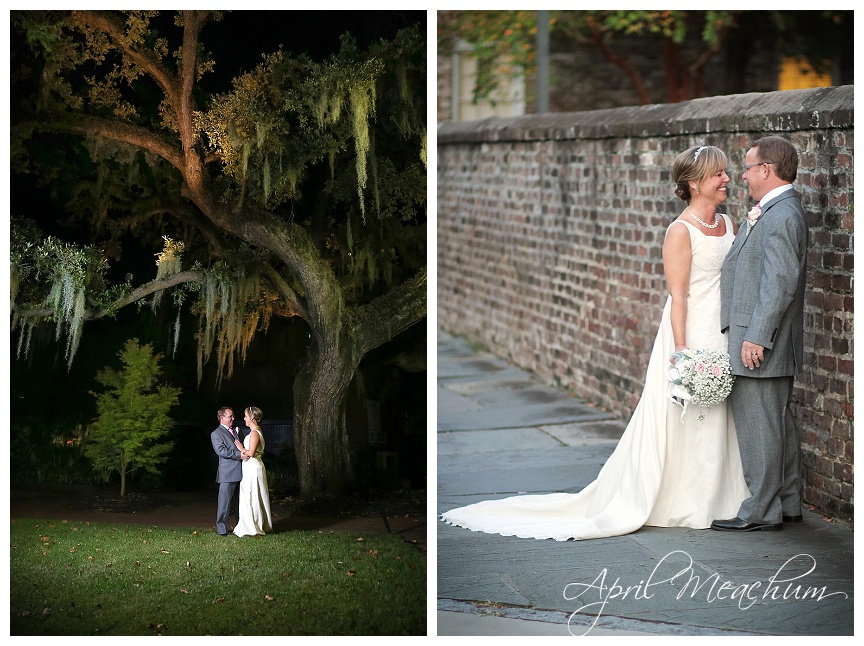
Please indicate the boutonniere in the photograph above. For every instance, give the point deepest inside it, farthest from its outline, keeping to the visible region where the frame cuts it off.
(753, 215)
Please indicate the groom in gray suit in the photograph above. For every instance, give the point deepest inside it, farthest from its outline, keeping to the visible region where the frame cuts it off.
(762, 306)
(230, 470)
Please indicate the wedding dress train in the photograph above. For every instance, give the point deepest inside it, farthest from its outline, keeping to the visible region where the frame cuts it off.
(665, 472)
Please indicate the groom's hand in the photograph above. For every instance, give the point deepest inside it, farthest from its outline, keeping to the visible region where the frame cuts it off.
(752, 355)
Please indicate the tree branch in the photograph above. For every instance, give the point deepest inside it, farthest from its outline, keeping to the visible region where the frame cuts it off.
(145, 59)
(110, 129)
(392, 313)
(624, 64)
(296, 306)
(141, 292)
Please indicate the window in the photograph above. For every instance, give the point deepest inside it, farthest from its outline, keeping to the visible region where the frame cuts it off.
(796, 73)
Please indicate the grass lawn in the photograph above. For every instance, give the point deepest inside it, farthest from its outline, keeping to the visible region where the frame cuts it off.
(82, 578)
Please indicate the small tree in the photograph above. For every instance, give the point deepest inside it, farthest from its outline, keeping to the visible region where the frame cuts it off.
(133, 415)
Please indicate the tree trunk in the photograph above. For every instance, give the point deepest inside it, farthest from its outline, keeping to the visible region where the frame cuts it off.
(320, 436)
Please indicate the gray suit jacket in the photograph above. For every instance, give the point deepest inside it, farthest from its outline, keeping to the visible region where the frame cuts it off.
(230, 461)
(762, 288)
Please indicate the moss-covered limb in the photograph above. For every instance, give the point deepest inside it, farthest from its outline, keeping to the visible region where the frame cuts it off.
(392, 313)
(113, 129)
(296, 305)
(136, 295)
(293, 245)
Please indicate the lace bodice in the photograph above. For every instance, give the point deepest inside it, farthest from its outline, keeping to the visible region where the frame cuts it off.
(259, 450)
(703, 297)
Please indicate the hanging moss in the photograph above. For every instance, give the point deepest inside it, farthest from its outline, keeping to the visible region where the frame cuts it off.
(168, 263)
(362, 99)
(234, 310)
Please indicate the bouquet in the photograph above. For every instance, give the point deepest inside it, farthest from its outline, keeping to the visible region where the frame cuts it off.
(702, 377)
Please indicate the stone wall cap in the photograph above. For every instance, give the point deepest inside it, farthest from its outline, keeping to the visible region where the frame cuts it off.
(765, 112)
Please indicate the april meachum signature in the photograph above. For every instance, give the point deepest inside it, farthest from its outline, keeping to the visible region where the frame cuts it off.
(712, 586)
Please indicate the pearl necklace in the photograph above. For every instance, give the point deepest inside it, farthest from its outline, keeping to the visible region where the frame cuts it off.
(707, 226)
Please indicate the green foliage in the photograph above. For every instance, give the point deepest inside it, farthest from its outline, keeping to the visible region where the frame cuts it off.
(132, 415)
(86, 578)
(503, 43)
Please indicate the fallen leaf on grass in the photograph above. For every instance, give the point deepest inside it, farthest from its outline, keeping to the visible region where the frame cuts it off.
(361, 539)
(351, 572)
(165, 552)
(184, 591)
(267, 597)
(373, 552)
(46, 611)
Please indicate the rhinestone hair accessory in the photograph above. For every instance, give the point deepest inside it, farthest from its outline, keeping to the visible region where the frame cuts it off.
(698, 150)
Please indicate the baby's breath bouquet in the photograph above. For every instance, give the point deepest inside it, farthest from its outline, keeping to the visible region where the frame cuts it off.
(701, 377)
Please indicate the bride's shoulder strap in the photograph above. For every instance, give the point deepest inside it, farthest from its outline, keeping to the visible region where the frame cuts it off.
(674, 222)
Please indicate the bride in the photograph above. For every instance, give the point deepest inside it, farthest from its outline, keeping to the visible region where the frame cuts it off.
(668, 470)
(254, 517)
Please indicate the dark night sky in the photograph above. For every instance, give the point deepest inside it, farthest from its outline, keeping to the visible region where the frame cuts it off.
(239, 40)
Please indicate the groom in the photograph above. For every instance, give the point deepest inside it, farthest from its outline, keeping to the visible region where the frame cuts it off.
(230, 470)
(762, 306)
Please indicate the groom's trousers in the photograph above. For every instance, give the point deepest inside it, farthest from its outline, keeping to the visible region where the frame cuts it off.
(770, 448)
(227, 505)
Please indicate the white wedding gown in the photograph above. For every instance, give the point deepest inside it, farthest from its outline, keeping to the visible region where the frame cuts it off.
(254, 495)
(664, 472)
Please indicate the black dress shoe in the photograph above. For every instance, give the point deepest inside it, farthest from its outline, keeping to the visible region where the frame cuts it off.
(793, 519)
(738, 525)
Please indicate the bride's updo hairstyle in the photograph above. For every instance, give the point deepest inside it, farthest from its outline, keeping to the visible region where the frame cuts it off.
(255, 413)
(694, 165)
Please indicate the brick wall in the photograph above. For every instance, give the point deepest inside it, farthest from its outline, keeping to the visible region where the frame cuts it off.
(550, 230)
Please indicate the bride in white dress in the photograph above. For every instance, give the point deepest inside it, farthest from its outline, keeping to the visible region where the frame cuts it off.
(666, 471)
(254, 517)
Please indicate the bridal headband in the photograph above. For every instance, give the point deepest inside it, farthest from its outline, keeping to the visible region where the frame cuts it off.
(698, 150)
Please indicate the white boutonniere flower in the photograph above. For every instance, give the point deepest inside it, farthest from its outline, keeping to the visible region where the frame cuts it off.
(752, 216)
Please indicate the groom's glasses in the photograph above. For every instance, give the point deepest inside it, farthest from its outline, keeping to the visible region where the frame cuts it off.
(749, 166)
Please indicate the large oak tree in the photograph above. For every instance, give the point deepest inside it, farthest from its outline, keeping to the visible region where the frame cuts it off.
(300, 192)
